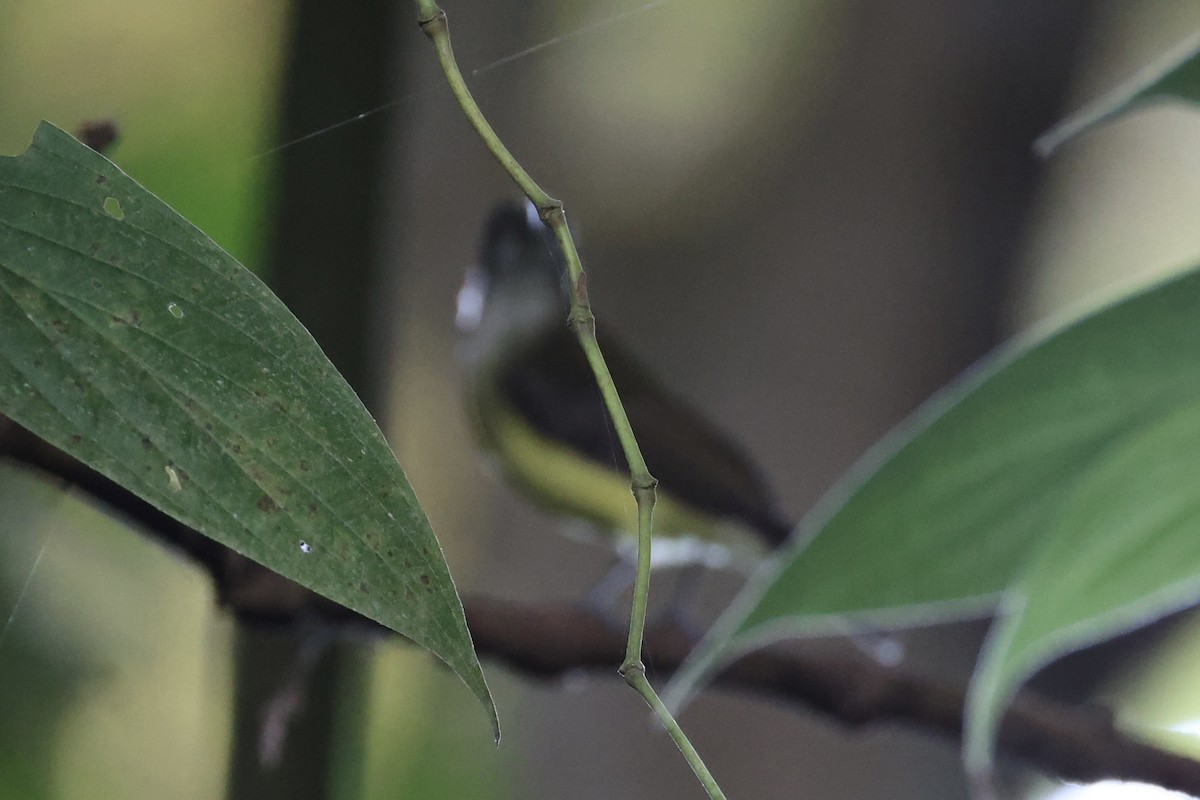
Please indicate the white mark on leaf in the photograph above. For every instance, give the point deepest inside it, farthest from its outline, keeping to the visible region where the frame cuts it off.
(112, 207)
(173, 479)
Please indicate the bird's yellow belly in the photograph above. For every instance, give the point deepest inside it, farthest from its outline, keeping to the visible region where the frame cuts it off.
(568, 483)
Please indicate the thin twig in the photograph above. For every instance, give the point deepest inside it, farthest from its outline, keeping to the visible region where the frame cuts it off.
(433, 22)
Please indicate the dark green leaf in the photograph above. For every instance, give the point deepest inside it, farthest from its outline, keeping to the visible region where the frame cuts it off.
(1175, 77)
(134, 343)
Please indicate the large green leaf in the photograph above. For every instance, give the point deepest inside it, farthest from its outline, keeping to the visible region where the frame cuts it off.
(1061, 475)
(134, 343)
(1123, 550)
(1175, 77)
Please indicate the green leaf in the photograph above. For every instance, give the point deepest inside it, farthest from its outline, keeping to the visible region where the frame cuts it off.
(134, 343)
(1059, 475)
(1175, 77)
(1123, 552)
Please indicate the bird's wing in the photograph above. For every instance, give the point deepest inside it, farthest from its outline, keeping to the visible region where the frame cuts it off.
(552, 386)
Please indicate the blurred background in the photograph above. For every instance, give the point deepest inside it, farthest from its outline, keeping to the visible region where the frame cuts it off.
(806, 216)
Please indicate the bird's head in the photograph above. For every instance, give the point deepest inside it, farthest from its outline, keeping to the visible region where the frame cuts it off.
(518, 286)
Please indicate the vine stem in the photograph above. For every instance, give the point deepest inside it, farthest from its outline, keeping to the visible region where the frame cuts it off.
(432, 20)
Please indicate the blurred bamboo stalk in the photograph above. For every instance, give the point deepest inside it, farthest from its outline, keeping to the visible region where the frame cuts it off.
(324, 265)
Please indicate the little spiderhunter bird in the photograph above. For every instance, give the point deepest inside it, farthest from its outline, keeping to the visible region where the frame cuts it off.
(537, 411)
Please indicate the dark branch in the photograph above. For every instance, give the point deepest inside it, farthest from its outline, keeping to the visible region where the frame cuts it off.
(1076, 744)
(549, 640)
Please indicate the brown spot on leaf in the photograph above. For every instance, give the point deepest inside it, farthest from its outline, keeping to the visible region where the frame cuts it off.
(146, 443)
(267, 505)
(303, 465)
(76, 438)
(424, 580)
(312, 509)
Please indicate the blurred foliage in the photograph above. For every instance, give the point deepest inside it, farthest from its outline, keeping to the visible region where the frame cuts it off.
(114, 673)
(110, 671)
(37, 674)
(1115, 210)
(191, 86)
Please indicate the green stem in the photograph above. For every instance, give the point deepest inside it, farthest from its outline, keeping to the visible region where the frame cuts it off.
(433, 22)
(641, 584)
(636, 677)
